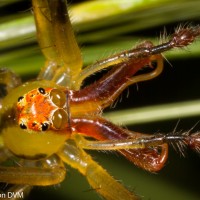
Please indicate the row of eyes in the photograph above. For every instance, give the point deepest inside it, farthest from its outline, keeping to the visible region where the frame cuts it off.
(60, 117)
(44, 126)
(57, 97)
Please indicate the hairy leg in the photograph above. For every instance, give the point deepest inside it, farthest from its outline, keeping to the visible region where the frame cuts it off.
(182, 37)
(97, 177)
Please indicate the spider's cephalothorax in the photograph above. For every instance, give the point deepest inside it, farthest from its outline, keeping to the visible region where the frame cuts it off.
(43, 108)
(43, 118)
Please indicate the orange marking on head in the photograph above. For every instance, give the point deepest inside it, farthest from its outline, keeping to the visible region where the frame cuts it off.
(40, 109)
(35, 109)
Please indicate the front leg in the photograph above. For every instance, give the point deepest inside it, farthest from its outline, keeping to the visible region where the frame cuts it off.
(124, 67)
(182, 37)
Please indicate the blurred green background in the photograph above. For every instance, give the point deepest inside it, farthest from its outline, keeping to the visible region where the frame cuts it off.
(104, 27)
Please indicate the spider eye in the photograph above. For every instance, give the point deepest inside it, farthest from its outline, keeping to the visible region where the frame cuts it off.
(23, 126)
(58, 97)
(41, 90)
(45, 126)
(60, 119)
(20, 98)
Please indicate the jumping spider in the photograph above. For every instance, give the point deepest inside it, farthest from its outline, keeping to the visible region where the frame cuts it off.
(47, 122)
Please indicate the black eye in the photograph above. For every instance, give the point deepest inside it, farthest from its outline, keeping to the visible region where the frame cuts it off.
(41, 90)
(20, 98)
(23, 126)
(45, 126)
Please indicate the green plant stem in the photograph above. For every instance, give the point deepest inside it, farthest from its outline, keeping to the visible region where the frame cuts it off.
(155, 113)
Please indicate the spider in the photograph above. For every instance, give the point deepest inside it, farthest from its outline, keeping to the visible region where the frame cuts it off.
(52, 120)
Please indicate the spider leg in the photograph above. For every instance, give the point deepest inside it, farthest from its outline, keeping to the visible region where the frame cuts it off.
(178, 140)
(102, 93)
(142, 150)
(57, 42)
(183, 36)
(147, 151)
(49, 172)
(97, 177)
